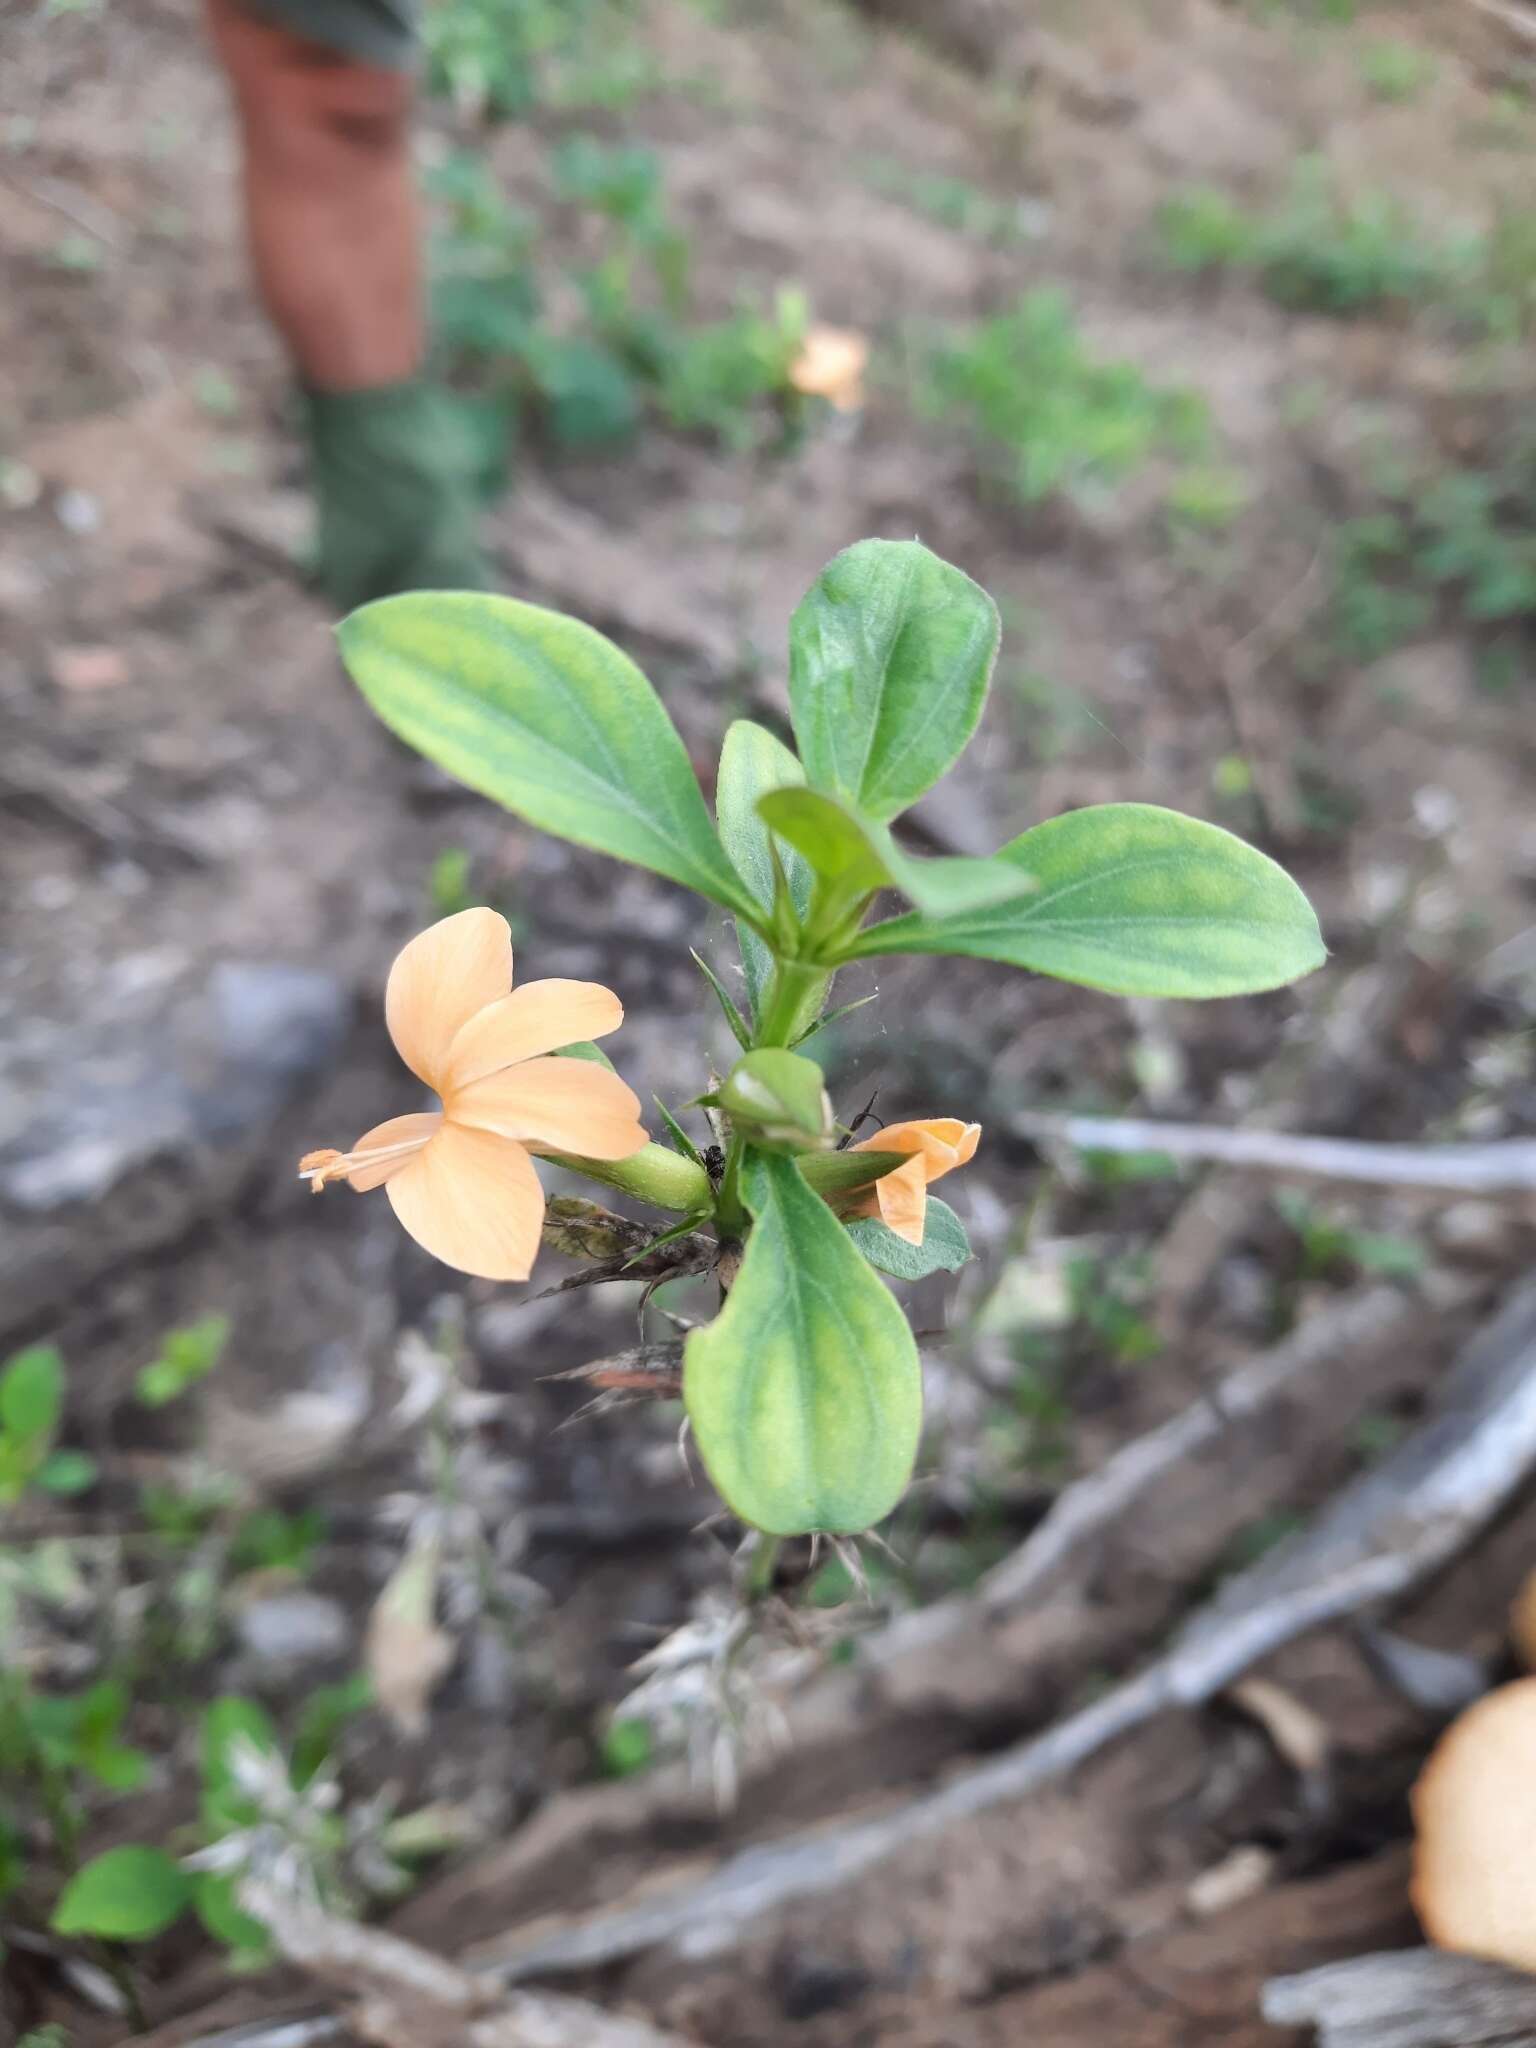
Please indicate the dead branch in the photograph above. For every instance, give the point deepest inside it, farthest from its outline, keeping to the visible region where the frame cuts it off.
(1504, 1166)
(418, 2000)
(1414, 1998)
(1518, 20)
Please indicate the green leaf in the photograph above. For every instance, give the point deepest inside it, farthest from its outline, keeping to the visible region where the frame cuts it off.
(547, 717)
(891, 652)
(32, 1393)
(945, 1247)
(733, 1017)
(127, 1894)
(227, 1721)
(805, 1392)
(753, 761)
(325, 1713)
(186, 1356)
(681, 1142)
(1135, 900)
(584, 1049)
(66, 1472)
(832, 1017)
(213, 1901)
(856, 856)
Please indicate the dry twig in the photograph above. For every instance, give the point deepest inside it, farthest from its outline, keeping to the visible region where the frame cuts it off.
(1505, 1166)
(1413, 1998)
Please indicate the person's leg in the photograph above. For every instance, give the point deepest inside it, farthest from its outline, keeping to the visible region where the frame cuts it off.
(335, 242)
(330, 200)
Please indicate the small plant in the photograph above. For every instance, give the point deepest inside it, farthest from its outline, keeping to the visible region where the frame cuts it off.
(186, 1356)
(1460, 539)
(448, 882)
(953, 203)
(804, 1393)
(638, 345)
(1328, 1242)
(497, 60)
(1046, 411)
(31, 1410)
(1318, 251)
(1396, 72)
(266, 1817)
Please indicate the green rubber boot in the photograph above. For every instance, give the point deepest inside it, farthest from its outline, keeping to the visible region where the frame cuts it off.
(394, 471)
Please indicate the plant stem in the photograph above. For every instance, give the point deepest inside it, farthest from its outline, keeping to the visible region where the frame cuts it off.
(795, 996)
(730, 1210)
(760, 1567)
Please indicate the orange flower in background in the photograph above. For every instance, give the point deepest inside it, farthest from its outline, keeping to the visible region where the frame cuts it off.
(460, 1179)
(831, 365)
(937, 1144)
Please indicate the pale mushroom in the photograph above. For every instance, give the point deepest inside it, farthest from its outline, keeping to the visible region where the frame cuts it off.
(1474, 1811)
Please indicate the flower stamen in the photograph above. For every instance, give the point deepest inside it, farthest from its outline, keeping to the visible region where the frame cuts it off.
(322, 1167)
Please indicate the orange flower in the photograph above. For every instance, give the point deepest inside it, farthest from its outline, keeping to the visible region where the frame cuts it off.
(937, 1144)
(831, 365)
(460, 1179)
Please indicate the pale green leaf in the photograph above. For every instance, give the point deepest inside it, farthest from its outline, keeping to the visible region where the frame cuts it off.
(1135, 900)
(857, 856)
(547, 717)
(805, 1392)
(126, 1894)
(891, 652)
(753, 761)
(32, 1393)
(945, 1247)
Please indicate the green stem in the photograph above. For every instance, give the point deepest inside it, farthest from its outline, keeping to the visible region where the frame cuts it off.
(760, 1567)
(794, 1000)
(730, 1210)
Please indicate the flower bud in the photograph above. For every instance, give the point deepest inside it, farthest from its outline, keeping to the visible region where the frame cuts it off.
(778, 1099)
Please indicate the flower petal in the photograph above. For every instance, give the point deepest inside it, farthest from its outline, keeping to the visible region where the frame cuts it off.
(902, 1197)
(944, 1141)
(391, 1139)
(539, 1017)
(441, 979)
(473, 1201)
(559, 1105)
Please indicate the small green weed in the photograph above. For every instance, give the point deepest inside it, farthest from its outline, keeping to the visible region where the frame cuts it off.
(1461, 541)
(1045, 411)
(953, 203)
(1318, 251)
(31, 1411)
(1328, 1242)
(497, 60)
(448, 882)
(637, 345)
(186, 1356)
(1396, 72)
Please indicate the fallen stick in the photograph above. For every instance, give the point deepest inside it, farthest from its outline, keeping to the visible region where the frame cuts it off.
(1505, 1166)
(1411, 1998)
(410, 1998)
(1517, 19)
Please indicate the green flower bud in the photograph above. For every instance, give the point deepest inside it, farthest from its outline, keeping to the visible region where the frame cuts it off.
(778, 1099)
